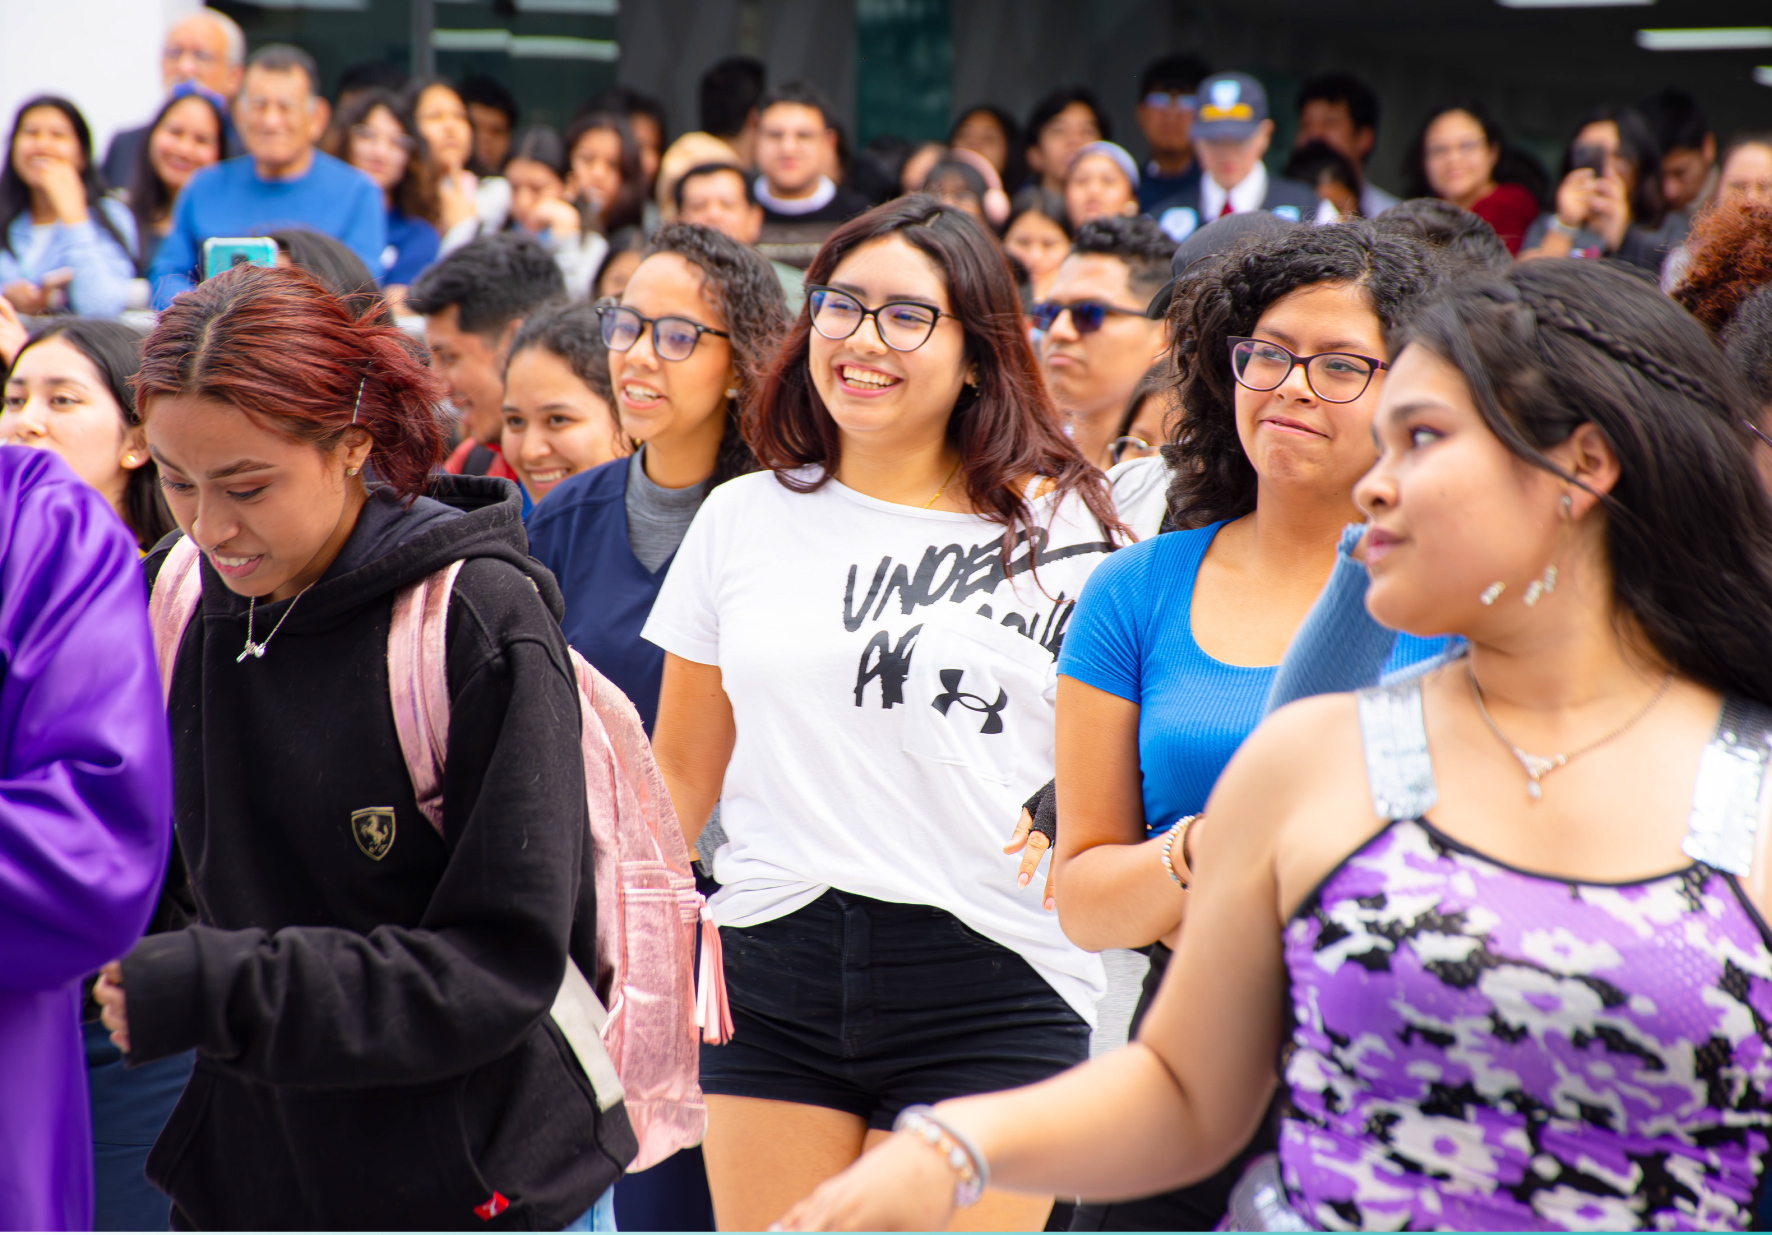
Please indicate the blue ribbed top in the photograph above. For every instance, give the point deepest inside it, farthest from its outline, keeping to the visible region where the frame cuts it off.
(1132, 635)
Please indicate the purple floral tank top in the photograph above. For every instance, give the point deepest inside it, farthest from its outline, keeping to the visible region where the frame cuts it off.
(1481, 1048)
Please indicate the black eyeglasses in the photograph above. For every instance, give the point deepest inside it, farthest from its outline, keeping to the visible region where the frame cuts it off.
(673, 338)
(1087, 316)
(903, 325)
(1334, 377)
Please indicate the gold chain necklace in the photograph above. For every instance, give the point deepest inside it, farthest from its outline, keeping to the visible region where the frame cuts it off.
(1538, 767)
(944, 486)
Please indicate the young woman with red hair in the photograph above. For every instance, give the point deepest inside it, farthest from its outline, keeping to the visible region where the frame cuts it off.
(368, 994)
(859, 666)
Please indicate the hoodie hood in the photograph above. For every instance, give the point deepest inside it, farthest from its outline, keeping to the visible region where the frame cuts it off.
(394, 544)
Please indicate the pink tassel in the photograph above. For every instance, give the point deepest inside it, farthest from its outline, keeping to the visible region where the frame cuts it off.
(712, 1012)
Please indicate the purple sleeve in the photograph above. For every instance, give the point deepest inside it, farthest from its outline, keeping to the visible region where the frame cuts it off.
(85, 754)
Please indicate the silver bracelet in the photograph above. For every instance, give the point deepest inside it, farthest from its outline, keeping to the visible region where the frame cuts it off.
(1176, 833)
(1560, 228)
(955, 1146)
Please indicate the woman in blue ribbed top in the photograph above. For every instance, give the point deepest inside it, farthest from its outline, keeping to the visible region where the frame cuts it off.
(1173, 647)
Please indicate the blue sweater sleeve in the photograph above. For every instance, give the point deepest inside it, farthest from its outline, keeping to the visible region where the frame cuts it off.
(102, 267)
(1338, 646)
(1103, 645)
(176, 257)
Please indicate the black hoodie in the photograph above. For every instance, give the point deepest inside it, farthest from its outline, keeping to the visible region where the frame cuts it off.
(374, 1045)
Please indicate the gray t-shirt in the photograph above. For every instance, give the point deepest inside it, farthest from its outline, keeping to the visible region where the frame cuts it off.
(658, 517)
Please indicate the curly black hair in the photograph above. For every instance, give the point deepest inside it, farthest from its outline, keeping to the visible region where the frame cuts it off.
(756, 313)
(1464, 241)
(1213, 478)
(1747, 342)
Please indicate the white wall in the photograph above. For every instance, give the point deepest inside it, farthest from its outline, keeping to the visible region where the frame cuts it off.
(102, 54)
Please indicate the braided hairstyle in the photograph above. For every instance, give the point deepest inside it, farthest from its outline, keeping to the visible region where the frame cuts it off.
(1554, 345)
(1214, 479)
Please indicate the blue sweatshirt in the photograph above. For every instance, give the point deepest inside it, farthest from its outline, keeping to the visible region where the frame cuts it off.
(229, 199)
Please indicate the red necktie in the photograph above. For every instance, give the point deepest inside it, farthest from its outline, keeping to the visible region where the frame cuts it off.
(1227, 208)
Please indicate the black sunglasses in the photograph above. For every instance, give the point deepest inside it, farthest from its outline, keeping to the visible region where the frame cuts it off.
(1087, 316)
(673, 338)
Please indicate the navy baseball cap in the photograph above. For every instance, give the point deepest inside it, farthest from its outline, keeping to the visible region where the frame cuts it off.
(1229, 107)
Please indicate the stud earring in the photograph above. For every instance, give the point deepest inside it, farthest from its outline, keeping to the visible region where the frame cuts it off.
(732, 392)
(1492, 591)
(351, 471)
(128, 460)
(1568, 506)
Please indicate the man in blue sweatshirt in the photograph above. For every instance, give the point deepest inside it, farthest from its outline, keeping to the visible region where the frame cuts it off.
(281, 181)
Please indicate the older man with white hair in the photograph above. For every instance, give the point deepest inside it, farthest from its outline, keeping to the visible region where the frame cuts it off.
(207, 47)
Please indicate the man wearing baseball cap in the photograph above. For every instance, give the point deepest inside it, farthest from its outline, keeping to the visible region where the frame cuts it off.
(1232, 130)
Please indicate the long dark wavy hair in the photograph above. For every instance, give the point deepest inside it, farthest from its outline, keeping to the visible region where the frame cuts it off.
(625, 209)
(1557, 344)
(416, 194)
(1214, 479)
(1005, 427)
(115, 351)
(15, 195)
(150, 201)
(756, 314)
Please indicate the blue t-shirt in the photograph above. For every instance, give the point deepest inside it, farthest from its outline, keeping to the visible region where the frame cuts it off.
(229, 199)
(1132, 636)
(412, 246)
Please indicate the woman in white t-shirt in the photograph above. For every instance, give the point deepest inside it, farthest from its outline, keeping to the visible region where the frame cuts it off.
(859, 666)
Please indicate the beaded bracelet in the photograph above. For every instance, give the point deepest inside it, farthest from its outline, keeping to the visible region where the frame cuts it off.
(961, 1154)
(1178, 832)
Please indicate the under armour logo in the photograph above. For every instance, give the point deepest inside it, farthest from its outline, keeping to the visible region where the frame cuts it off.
(950, 679)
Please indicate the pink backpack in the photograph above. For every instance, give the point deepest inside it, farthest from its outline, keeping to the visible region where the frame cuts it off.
(636, 1023)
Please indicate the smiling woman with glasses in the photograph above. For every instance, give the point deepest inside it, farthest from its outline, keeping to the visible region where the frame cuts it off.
(377, 135)
(858, 646)
(688, 343)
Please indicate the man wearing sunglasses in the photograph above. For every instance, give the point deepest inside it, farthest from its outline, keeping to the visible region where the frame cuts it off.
(1166, 118)
(1096, 341)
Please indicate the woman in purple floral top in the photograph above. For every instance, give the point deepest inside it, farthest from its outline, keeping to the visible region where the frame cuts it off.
(1497, 933)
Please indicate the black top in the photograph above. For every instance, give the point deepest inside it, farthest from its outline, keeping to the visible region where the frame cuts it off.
(842, 207)
(371, 1021)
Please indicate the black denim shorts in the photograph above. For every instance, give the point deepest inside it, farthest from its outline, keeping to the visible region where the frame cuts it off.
(869, 1007)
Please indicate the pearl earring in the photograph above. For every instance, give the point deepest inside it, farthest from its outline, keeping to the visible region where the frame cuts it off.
(1492, 591)
(732, 392)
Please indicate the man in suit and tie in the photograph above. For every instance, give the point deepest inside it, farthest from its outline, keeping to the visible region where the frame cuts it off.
(1232, 130)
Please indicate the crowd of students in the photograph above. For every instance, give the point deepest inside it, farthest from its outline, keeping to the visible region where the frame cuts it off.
(904, 504)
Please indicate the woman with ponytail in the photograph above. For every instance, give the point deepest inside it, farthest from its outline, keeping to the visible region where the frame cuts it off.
(1497, 934)
(368, 984)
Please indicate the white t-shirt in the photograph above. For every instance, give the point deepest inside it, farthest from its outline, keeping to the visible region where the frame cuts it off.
(893, 694)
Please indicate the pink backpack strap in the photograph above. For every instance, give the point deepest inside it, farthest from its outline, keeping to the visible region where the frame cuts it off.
(418, 684)
(177, 594)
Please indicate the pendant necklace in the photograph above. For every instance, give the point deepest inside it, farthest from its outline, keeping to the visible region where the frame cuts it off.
(944, 487)
(1537, 767)
(257, 650)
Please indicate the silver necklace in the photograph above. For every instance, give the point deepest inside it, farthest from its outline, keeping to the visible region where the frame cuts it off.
(257, 650)
(1538, 767)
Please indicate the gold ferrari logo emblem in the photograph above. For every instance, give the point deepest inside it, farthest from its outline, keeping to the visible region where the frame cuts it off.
(373, 826)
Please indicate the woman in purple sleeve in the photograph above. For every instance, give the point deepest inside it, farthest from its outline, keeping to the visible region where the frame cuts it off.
(1496, 936)
(85, 813)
